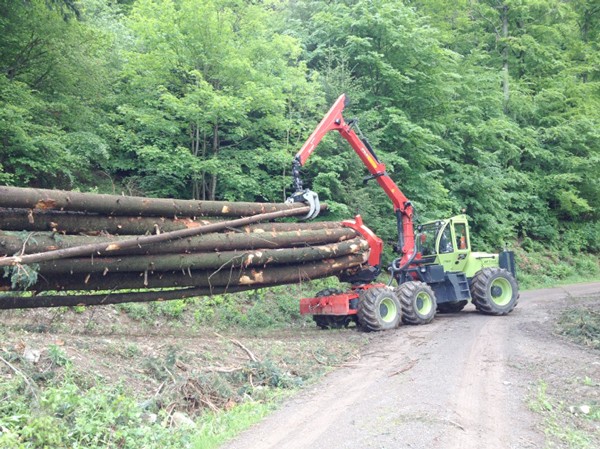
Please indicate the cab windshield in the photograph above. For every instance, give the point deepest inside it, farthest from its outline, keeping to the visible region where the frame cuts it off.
(426, 238)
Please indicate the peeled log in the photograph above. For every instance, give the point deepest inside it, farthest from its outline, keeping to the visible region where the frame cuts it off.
(31, 302)
(272, 275)
(45, 199)
(12, 243)
(200, 261)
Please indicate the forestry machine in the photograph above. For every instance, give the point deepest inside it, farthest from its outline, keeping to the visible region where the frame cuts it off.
(436, 269)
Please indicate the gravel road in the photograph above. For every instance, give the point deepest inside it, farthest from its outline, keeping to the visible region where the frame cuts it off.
(460, 382)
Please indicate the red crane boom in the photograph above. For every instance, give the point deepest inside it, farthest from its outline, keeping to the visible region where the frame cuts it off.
(403, 209)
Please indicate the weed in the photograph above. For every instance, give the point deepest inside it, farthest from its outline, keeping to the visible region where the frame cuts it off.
(560, 423)
(581, 325)
(216, 428)
(58, 356)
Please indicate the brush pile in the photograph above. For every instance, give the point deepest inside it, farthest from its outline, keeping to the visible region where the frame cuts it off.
(84, 249)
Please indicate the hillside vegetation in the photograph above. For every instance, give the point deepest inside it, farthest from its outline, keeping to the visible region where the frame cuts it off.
(489, 106)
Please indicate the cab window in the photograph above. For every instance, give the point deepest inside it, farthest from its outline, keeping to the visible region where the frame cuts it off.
(426, 239)
(446, 241)
(460, 233)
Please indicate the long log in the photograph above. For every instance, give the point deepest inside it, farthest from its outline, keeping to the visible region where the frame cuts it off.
(202, 261)
(83, 223)
(272, 275)
(102, 248)
(14, 219)
(13, 243)
(31, 302)
(131, 205)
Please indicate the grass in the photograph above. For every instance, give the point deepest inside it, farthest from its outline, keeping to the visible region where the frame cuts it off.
(217, 428)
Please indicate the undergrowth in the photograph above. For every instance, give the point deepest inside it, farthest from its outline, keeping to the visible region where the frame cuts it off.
(538, 266)
(272, 308)
(150, 395)
(581, 325)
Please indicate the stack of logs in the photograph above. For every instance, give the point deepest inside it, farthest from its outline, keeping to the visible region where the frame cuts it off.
(86, 249)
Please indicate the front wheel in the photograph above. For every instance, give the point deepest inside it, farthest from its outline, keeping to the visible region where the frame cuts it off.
(494, 291)
(379, 309)
(418, 302)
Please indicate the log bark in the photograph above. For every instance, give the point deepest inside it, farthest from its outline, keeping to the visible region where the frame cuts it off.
(131, 205)
(13, 243)
(93, 224)
(273, 275)
(32, 302)
(201, 261)
(102, 248)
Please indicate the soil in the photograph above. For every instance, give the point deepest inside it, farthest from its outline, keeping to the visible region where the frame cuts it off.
(464, 381)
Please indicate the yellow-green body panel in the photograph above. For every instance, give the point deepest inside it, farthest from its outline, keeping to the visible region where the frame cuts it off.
(453, 247)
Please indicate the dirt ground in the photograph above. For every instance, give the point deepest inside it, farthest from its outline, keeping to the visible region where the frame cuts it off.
(464, 381)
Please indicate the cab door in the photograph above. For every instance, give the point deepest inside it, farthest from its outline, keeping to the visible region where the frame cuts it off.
(454, 245)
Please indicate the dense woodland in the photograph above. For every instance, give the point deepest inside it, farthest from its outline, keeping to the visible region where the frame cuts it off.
(491, 106)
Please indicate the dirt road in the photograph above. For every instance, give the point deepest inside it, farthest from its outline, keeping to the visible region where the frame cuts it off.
(462, 382)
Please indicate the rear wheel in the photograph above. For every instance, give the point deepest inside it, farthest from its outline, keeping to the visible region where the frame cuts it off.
(494, 291)
(379, 309)
(418, 302)
(331, 321)
(451, 307)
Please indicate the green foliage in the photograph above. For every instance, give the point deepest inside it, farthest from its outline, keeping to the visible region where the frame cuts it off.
(543, 267)
(66, 415)
(260, 309)
(22, 276)
(489, 106)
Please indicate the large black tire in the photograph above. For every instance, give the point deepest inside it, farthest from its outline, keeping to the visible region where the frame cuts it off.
(451, 307)
(495, 291)
(331, 321)
(418, 302)
(379, 309)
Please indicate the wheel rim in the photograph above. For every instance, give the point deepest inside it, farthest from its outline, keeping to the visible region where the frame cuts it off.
(388, 310)
(501, 291)
(423, 303)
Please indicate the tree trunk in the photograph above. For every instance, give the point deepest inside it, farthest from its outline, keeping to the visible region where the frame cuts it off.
(13, 243)
(82, 223)
(31, 302)
(257, 277)
(505, 73)
(130, 205)
(203, 261)
(107, 247)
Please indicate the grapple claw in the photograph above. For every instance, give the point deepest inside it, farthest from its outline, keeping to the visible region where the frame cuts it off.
(310, 198)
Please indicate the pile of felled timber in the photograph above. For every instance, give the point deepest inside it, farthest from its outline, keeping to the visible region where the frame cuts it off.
(72, 248)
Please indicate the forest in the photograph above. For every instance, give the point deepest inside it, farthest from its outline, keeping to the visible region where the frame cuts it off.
(486, 106)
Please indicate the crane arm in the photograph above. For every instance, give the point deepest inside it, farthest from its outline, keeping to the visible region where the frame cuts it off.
(334, 121)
